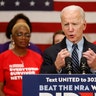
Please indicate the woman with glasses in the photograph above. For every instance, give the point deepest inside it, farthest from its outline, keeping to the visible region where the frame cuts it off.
(18, 61)
(18, 18)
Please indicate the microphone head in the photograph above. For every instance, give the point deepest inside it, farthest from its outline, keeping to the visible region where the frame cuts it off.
(68, 59)
(83, 60)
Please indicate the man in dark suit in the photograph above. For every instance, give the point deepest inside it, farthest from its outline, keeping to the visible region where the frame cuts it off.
(73, 24)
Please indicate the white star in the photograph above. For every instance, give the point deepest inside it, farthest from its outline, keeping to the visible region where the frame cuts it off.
(17, 3)
(47, 3)
(32, 3)
(2, 3)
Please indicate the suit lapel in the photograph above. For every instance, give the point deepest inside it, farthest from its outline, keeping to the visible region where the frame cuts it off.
(63, 43)
(85, 46)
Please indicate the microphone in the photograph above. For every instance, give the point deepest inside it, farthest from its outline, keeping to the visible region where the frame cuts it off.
(68, 62)
(83, 65)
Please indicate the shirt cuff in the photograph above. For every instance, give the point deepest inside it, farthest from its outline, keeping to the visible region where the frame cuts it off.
(93, 71)
(59, 71)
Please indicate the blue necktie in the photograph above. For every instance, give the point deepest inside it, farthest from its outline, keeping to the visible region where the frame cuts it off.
(75, 59)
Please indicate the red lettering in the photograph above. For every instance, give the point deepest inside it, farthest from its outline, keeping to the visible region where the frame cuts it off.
(86, 94)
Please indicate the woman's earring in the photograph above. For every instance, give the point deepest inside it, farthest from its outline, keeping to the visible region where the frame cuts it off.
(12, 45)
(29, 44)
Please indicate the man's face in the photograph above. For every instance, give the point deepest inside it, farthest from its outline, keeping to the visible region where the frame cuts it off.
(73, 25)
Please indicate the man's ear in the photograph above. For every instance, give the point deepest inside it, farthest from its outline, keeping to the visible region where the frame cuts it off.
(85, 25)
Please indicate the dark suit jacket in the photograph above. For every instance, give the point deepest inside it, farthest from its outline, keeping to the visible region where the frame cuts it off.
(51, 53)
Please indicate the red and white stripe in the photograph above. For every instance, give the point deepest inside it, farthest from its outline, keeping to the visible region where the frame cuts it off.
(45, 23)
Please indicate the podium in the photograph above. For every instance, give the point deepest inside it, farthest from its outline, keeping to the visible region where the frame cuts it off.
(59, 85)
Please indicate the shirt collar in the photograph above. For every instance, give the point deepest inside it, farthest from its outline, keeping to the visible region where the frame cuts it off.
(80, 44)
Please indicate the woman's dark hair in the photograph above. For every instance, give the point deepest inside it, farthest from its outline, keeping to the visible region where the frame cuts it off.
(58, 32)
(13, 22)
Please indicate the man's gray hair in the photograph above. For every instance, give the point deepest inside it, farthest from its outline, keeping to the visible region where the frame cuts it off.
(74, 7)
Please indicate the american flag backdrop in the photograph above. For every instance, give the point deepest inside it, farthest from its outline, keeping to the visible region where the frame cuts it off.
(45, 18)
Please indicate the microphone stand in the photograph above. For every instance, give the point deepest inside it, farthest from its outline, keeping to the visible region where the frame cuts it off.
(68, 61)
(69, 68)
(83, 68)
(83, 65)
